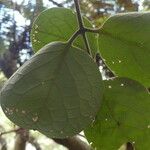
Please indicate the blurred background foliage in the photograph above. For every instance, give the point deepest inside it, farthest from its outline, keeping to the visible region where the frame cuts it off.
(16, 18)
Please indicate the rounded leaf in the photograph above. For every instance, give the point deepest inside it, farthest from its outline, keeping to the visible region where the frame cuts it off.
(57, 92)
(59, 24)
(124, 43)
(124, 116)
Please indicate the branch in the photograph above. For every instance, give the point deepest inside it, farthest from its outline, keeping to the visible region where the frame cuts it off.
(7, 132)
(11, 5)
(80, 21)
(86, 43)
(73, 143)
(74, 36)
(55, 3)
(34, 143)
(21, 138)
(81, 26)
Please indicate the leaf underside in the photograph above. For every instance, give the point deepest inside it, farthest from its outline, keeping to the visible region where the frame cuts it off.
(57, 92)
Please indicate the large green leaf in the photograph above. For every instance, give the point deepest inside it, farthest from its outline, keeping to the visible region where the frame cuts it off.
(57, 92)
(58, 24)
(124, 43)
(124, 117)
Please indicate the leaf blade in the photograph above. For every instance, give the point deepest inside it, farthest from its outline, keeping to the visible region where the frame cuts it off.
(59, 24)
(124, 44)
(56, 92)
(123, 117)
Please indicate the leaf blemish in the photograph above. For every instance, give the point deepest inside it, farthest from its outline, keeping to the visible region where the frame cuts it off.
(61, 132)
(23, 112)
(35, 119)
(9, 111)
(121, 84)
(109, 86)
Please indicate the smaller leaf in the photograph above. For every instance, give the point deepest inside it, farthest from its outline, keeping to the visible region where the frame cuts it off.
(59, 24)
(124, 116)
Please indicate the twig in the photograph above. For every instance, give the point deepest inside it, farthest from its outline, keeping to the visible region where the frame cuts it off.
(73, 143)
(74, 36)
(7, 132)
(34, 143)
(86, 43)
(55, 3)
(81, 26)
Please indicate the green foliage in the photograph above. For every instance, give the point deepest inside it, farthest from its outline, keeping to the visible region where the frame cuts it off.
(123, 117)
(57, 92)
(124, 43)
(58, 24)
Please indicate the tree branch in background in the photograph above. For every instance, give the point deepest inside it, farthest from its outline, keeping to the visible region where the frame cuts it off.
(11, 131)
(55, 3)
(22, 136)
(11, 4)
(21, 139)
(33, 141)
(3, 144)
(73, 143)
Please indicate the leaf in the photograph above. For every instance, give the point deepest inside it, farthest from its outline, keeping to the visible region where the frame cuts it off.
(57, 92)
(59, 24)
(124, 43)
(124, 116)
